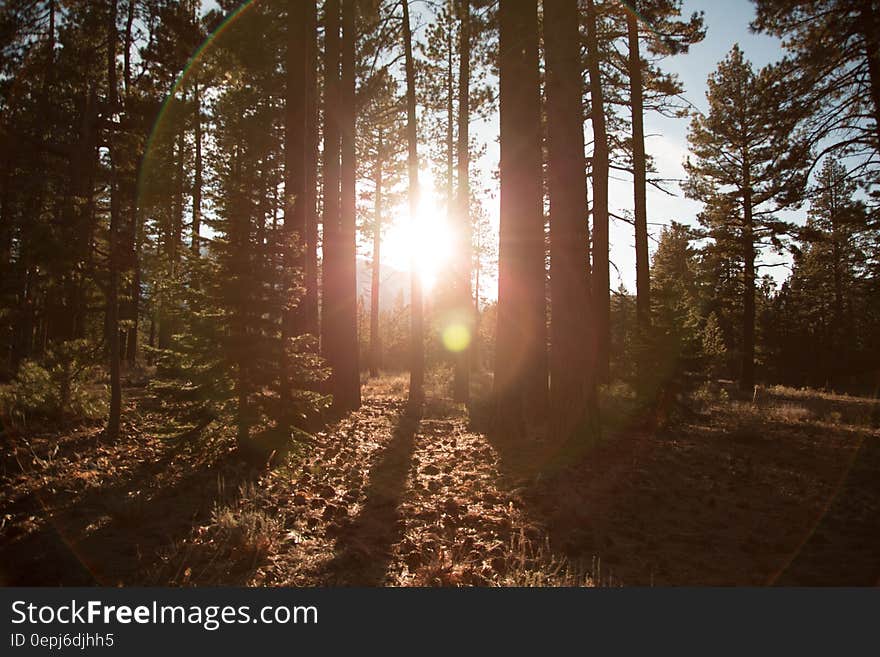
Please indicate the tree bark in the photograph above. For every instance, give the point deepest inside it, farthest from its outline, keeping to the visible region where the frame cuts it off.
(572, 381)
(461, 383)
(601, 274)
(175, 231)
(349, 385)
(416, 338)
(871, 24)
(310, 302)
(293, 233)
(747, 376)
(330, 271)
(520, 362)
(375, 340)
(197, 180)
(137, 239)
(113, 420)
(640, 211)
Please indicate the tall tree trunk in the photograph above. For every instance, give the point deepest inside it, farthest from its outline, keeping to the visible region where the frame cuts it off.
(375, 339)
(79, 207)
(837, 332)
(461, 383)
(310, 301)
(239, 237)
(417, 330)
(135, 220)
(643, 277)
(131, 343)
(476, 346)
(330, 308)
(293, 318)
(871, 26)
(838, 241)
(520, 359)
(126, 47)
(113, 419)
(6, 216)
(573, 402)
(197, 179)
(50, 40)
(175, 230)
(349, 383)
(179, 207)
(450, 130)
(601, 275)
(747, 376)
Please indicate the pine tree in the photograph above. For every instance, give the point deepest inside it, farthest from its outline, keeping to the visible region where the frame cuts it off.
(520, 359)
(675, 301)
(601, 279)
(115, 232)
(347, 391)
(824, 307)
(332, 303)
(461, 383)
(572, 380)
(417, 331)
(834, 68)
(713, 347)
(746, 165)
(665, 34)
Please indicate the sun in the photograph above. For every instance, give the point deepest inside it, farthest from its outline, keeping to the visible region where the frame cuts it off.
(425, 242)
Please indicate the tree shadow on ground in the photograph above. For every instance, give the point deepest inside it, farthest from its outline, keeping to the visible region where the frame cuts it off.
(363, 546)
(844, 547)
(114, 533)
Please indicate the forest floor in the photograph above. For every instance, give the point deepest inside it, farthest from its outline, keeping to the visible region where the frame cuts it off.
(785, 490)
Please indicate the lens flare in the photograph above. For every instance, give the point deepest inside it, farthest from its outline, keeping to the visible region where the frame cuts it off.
(456, 337)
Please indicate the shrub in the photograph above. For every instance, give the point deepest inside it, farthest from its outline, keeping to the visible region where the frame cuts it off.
(61, 388)
(710, 393)
(242, 530)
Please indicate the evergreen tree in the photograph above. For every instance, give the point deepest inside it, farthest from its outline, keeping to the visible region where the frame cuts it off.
(834, 68)
(417, 332)
(656, 21)
(572, 380)
(520, 358)
(601, 278)
(746, 166)
(675, 301)
(825, 307)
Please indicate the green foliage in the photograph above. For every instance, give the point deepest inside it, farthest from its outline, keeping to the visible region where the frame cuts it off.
(201, 374)
(675, 300)
(60, 388)
(232, 353)
(828, 306)
(713, 347)
(830, 46)
(709, 393)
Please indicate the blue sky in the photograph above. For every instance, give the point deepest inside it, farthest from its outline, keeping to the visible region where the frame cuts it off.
(727, 23)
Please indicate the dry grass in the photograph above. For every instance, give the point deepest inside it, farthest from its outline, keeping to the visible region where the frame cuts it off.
(521, 562)
(791, 413)
(787, 406)
(244, 527)
(387, 385)
(812, 393)
(533, 564)
(238, 539)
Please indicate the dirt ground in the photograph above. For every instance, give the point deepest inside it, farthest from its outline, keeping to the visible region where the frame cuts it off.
(784, 491)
